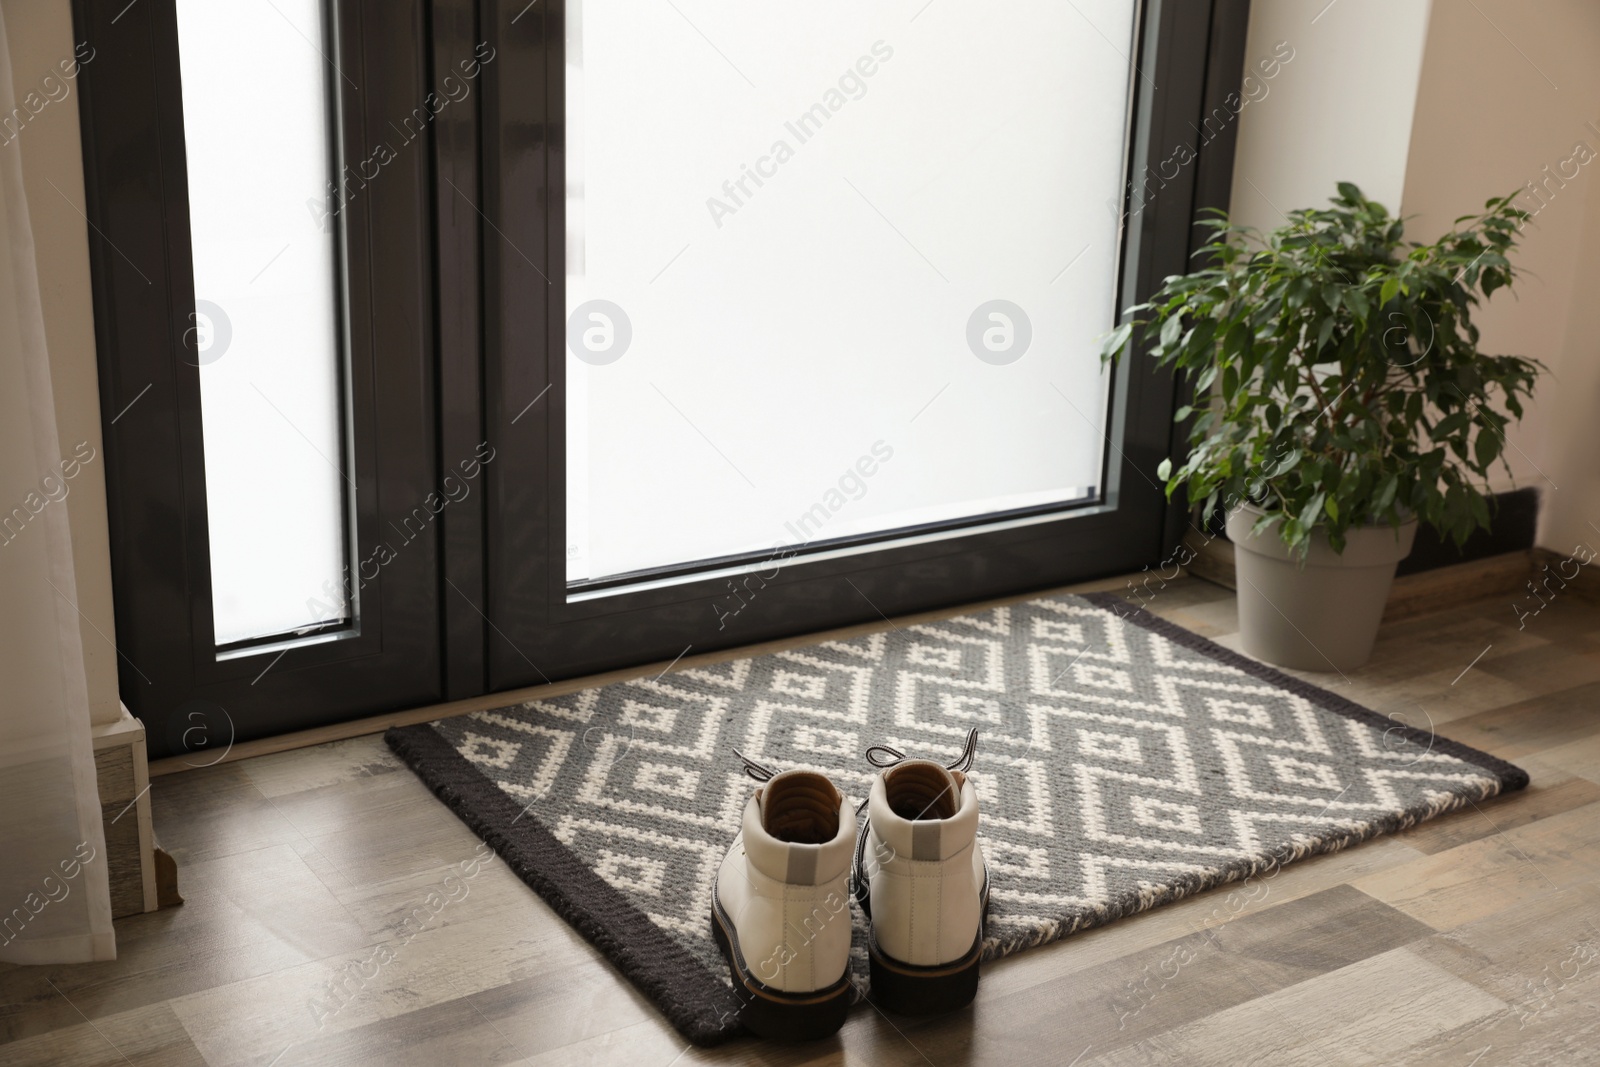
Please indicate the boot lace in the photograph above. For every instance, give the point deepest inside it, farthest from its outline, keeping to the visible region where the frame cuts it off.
(759, 771)
(885, 756)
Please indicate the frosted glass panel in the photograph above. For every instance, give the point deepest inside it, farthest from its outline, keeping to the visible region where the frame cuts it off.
(834, 268)
(256, 121)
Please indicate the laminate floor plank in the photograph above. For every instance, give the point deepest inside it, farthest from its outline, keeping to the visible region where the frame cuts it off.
(1568, 1035)
(1542, 959)
(471, 888)
(246, 915)
(1548, 794)
(1580, 757)
(1197, 914)
(1555, 665)
(650, 1042)
(1125, 1000)
(144, 1037)
(1557, 717)
(448, 1032)
(394, 977)
(1530, 956)
(282, 773)
(215, 811)
(356, 824)
(1496, 872)
(1432, 697)
(1213, 619)
(1384, 1004)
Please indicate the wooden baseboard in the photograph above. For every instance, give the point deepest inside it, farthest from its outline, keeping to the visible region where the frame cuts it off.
(1446, 587)
(1439, 589)
(123, 776)
(1554, 567)
(1210, 558)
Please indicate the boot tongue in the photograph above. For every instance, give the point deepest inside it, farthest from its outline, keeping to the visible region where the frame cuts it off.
(800, 807)
(922, 790)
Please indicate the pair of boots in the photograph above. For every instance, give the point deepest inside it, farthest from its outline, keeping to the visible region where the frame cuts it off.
(780, 908)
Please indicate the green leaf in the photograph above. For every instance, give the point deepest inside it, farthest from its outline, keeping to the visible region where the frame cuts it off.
(1312, 512)
(1387, 293)
(1486, 448)
(1358, 303)
(1478, 508)
(1294, 533)
(1385, 495)
(1237, 340)
(1450, 424)
(1331, 506)
(1264, 523)
(1164, 469)
(1117, 340)
(1170, 330)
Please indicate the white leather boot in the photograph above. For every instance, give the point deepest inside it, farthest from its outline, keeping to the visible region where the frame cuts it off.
(780, 909)
(920, 877)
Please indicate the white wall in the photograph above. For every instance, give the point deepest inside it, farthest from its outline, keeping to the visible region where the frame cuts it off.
(1340, 110)
(1433, 109)
(1509, 89)
(40, 37)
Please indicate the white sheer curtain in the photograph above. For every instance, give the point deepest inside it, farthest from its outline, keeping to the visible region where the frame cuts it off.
(55, 903)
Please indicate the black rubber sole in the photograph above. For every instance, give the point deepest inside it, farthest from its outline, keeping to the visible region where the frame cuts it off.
(908, 990)
(780, 1016)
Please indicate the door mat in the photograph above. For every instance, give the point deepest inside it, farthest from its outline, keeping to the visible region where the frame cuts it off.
(1123, 763)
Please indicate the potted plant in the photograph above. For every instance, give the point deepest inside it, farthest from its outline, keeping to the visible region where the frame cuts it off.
(1341, 399)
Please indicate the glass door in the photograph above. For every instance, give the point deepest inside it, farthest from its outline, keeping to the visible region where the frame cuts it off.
(844, 285)
(259, 185)
(272, 395)
(793, 313)
(453, 346)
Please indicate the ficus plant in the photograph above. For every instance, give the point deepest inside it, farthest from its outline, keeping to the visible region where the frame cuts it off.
(1336, 369)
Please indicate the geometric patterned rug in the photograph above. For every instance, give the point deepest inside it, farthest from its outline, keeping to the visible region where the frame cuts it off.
(1123, 763)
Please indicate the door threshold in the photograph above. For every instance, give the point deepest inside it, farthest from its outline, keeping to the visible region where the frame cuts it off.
(374, 724)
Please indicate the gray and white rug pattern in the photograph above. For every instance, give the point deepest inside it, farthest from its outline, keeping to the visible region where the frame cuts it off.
(1122, 762)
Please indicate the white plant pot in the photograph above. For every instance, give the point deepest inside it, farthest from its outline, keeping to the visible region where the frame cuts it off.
(1320, 614)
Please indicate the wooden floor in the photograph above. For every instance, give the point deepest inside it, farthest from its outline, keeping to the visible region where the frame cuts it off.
(1472, 941)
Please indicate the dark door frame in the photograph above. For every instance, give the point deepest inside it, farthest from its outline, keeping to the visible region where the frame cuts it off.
(448, 356)
(1192, 51)
(137, 202)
